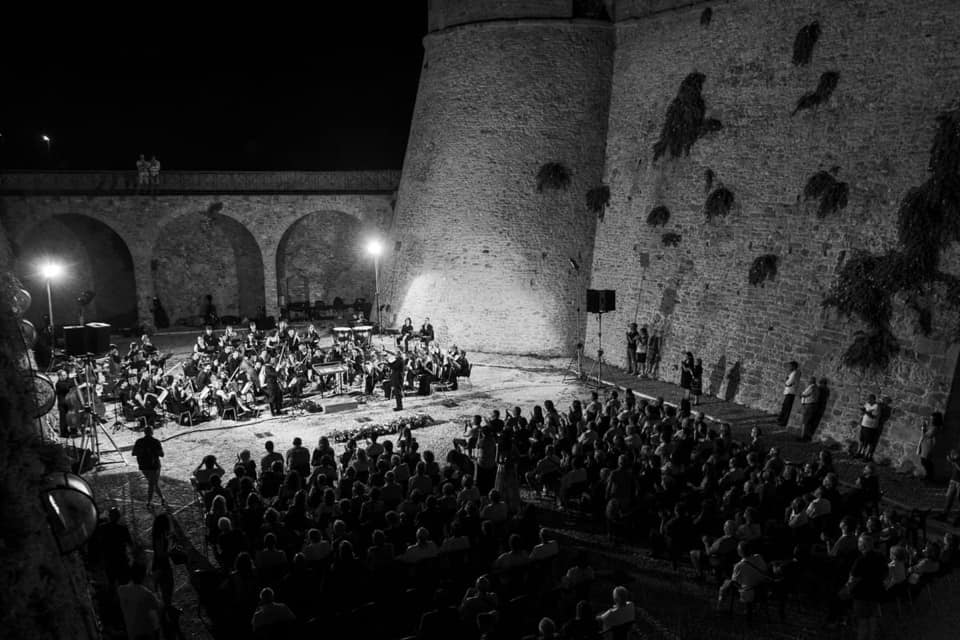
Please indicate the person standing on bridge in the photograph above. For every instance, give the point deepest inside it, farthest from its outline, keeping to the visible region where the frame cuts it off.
(143, 173)
(154, 174)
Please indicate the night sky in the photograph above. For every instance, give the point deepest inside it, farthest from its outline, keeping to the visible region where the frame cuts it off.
(326, 86)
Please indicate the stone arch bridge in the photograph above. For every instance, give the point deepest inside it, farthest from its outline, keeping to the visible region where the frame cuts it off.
(252, 240)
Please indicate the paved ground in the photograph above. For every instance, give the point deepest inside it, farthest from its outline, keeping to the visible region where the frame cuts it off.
(500, 382)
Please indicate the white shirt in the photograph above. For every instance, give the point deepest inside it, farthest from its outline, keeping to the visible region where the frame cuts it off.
(617, 615)
(790, 387)
(868, 421)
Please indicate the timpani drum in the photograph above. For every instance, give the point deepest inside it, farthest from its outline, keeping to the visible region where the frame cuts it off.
(362, 334)
(342, 334)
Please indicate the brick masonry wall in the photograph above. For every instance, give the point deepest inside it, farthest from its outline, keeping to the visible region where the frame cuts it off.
(483, 253)
(191, 263)
(899, 67)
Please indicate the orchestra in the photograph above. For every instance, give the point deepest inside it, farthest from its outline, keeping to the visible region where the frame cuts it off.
(233, 373)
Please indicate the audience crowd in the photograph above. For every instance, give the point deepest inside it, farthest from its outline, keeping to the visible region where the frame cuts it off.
(391, 540)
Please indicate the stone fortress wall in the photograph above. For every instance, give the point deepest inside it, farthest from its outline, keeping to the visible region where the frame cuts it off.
(509, 86)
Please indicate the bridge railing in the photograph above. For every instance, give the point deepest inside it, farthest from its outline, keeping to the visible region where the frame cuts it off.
(174, 182)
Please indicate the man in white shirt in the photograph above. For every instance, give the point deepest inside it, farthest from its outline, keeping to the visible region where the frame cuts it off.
(622, 612)
(748, 574)
(789, 392)
(869, 427)
(140, 606)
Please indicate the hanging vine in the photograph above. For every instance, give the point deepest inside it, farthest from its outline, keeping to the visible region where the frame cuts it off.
(927, 221)
(825, 88)
(763, 268)
(658, 216)
(831, 193)
(718, 203)
(553, 175)
(597, 199)
(804, 42)
(685, 122)
(670, 239)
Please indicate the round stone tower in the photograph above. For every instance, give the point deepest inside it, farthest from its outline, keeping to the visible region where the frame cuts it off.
(497, 263)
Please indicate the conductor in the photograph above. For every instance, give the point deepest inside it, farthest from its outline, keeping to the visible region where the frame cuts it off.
(397, 368)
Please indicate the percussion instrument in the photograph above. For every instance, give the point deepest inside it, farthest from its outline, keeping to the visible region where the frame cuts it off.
(362, 333)
(342, 334)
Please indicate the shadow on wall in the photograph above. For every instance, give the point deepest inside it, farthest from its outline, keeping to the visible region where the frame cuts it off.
(716, 377)
(733, 381)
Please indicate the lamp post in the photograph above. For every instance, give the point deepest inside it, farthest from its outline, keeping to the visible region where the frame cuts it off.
(375, 248)
(47, 141)
(50, 270)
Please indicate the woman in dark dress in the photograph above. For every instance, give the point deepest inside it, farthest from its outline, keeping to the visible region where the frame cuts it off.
(696, 384)
(686, 374)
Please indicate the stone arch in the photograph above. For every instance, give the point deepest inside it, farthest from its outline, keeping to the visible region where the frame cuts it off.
(207, 253)
(321, 257)
(95, 257)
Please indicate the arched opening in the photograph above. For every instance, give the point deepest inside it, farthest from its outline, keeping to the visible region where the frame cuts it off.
(207, 254)
(322, 257)
(94, 257)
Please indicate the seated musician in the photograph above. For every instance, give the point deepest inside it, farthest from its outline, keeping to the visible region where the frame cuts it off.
(230, 337)
(254, 338)
(232, 360)
(211, 343)
(192, 366)
(274, 340)
(135, 359)
(426, 332)
(203, 378)
(312, 337)
(144, 402)
(290, 339)
(182, 400)
(146, 346)
(227, 396)
(405, 335)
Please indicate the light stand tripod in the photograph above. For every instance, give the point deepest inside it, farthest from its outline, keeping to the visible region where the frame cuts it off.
(598, 364)
(89, 439)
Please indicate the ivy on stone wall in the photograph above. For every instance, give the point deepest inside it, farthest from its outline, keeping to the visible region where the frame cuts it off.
(670, 239)
(708, 178)
(553, 175)
(763, 268)
(804, 42)
(825, 88)
(705, 17)
(718, 203)
(597, 199)
(685, 121)
(831, 193)
(658, 216)
(928, 220)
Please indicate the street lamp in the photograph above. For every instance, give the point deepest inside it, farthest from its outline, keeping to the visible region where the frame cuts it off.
(47, 141)
(51, 270)
(375, 249)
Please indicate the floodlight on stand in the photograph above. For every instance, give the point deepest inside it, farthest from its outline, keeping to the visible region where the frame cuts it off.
(375, 247)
